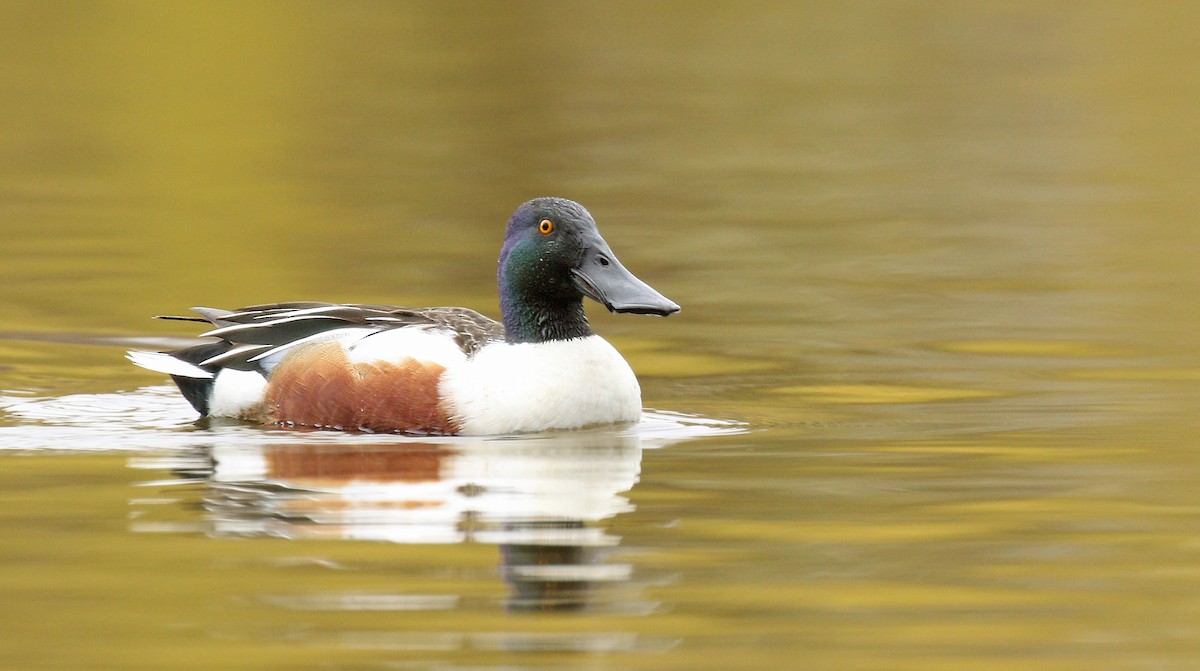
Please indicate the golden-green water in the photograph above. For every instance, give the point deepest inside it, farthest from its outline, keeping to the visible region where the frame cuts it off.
(930, 403)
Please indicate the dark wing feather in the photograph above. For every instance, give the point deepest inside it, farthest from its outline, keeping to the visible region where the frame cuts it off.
(249, 333)
(280, 330)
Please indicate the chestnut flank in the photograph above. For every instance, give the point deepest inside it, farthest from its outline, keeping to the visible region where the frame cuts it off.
(318, 386)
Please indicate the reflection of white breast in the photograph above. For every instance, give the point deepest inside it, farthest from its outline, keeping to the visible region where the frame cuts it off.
(507, 388)
(570, 477)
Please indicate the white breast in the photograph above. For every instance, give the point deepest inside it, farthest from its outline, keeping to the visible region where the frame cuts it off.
(563, 384)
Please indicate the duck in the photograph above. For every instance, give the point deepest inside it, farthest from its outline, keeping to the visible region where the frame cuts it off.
(439, 370)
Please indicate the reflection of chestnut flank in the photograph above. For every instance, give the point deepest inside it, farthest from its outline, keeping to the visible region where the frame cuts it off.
(338, 467)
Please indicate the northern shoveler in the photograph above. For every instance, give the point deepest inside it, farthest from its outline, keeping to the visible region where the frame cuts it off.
(435, 370)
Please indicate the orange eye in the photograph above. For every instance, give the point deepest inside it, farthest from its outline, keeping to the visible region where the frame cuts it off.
(546, 226)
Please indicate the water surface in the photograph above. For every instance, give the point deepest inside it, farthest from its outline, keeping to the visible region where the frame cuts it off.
(930, 403)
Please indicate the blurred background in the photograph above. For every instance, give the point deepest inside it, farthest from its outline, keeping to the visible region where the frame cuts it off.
(939, 258)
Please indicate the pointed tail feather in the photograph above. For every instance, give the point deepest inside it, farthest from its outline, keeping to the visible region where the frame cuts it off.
(163, 362)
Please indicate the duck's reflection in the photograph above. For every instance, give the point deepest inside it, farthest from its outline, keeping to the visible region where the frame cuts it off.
(538, 499)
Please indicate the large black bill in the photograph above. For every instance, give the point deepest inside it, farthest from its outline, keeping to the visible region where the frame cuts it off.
(604, 279)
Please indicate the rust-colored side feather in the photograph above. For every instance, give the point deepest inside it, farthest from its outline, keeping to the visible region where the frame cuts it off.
(318, 386)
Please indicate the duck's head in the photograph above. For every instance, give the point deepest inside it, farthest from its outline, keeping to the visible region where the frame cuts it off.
(552, 257)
